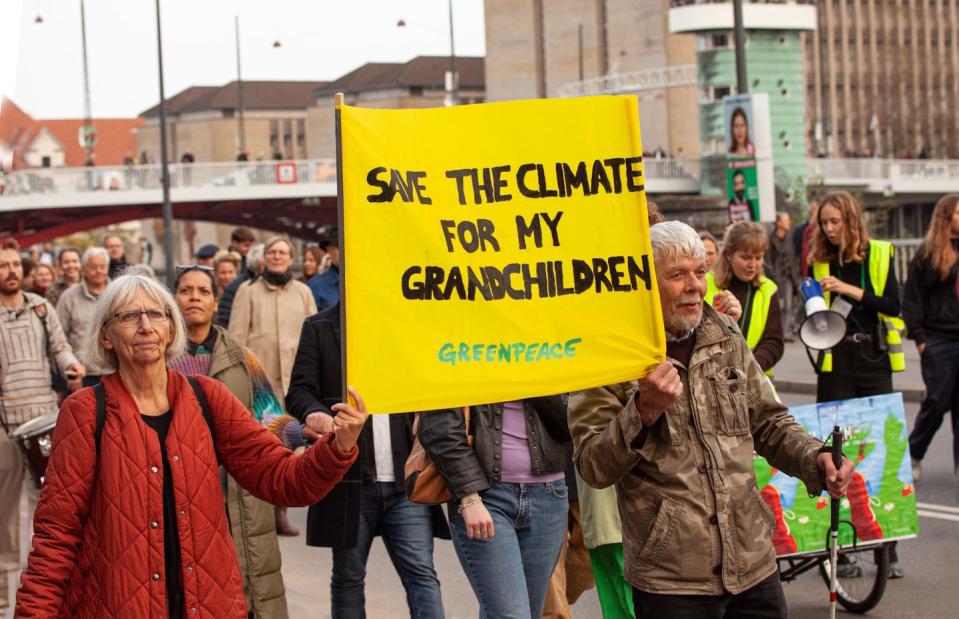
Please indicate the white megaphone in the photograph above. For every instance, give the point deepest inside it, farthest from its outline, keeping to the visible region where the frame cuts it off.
(823, 328)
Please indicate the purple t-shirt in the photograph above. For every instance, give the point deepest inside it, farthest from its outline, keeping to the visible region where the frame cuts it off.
(517, 463)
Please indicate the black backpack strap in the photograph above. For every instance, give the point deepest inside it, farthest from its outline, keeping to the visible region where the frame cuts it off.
(205, 407)
(101, 398)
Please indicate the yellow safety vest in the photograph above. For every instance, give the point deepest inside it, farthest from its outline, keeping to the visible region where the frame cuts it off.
(761, 302)
(880, 255)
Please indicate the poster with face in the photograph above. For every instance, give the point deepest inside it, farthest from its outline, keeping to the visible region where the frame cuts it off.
(742, 190)
(738, 120)
(742, 177)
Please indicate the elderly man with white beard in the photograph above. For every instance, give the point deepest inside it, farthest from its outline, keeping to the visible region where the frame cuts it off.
(678, 444)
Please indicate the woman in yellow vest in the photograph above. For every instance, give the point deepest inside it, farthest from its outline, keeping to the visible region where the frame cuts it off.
(739, 269)
(846, 262)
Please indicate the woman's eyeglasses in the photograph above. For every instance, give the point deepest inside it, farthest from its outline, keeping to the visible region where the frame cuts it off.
(133, 317)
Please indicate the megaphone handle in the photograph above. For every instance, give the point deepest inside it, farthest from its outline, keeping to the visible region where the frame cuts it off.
(813, 362)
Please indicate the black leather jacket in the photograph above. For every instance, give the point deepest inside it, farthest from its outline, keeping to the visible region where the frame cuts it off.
(467, 470)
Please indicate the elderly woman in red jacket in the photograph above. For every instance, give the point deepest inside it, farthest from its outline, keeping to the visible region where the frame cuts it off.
(130, 521)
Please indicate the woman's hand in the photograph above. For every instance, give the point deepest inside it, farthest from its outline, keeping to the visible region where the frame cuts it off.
(837, 286)
(349, 421)
(319, 422)
(726, 302)
(479, 524)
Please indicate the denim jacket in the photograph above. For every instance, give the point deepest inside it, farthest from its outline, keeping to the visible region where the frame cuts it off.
(467, 470)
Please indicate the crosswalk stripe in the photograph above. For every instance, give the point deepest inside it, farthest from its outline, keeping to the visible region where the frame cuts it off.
(938, 508)
(937, 515)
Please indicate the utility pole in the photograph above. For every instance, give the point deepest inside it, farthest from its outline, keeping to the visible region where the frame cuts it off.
(164, 167)
(239, 88)
(89, 133)
(742, 84)
(452, 83)
(579, 38)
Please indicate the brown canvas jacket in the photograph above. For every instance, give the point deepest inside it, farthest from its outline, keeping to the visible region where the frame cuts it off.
(693, 521)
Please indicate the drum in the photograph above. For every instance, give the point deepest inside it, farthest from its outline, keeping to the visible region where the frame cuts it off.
(35, 439)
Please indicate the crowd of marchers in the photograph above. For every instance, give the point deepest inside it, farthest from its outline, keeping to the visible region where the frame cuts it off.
(190, 418)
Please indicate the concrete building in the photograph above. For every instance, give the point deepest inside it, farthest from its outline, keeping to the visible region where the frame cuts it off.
(774, 63)
(540, 48)
(206, 120)
(883, 78)
(419, 83)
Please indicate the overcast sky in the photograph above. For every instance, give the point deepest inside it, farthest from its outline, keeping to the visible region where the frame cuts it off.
(41, 66)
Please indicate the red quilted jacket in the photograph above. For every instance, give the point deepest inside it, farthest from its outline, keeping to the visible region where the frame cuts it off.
(98, 529)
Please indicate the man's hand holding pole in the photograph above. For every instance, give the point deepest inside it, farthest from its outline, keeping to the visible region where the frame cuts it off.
(657, 392)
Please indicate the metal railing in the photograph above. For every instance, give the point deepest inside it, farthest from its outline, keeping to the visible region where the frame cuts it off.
(905, 249)
(877, 170)
(54, 181)
(119, 179)
(634, 81)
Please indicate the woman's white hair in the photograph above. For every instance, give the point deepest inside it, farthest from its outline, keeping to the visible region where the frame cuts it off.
(120, 293)
(672, 240)
(91, 252)
(255, 257)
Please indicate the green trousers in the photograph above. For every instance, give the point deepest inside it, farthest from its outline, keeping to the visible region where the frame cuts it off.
(615, 594)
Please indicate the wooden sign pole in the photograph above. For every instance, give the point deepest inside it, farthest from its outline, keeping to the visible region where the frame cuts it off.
(338, 101)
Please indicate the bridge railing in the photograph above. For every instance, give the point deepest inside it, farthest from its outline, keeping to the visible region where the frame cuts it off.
(49, 181)
(891, 171)
(673, 174)
(905, 249)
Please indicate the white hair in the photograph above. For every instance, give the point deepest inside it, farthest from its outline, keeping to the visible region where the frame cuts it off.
(674, 239)
(140, 269)
(92, 252)
(119, 293)
(254, 257)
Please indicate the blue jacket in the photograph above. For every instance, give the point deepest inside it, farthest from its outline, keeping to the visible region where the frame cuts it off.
(326, 288)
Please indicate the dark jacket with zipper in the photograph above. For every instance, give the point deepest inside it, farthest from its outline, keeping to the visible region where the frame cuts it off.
(475, 469)
(316, 385)
(930, 305)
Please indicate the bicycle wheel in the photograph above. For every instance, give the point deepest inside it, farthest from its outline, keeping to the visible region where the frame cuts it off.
(862, 576)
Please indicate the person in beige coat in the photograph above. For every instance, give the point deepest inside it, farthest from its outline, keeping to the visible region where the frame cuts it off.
(268, 313)
(266, 317)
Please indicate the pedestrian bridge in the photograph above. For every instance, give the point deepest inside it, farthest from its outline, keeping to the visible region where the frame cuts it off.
(296, 197)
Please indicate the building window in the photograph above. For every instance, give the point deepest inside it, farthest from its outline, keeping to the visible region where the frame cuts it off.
(416, 91)
(714, 94)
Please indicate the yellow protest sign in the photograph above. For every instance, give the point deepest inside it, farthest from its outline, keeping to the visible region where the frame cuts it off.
(495, 252)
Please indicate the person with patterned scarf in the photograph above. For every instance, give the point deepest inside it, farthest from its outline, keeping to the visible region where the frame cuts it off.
(212, 351)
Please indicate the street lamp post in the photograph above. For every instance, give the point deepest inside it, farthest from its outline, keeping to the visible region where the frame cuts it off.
(89, 134)
(164, 167)
(239, 88)
(452, 83)
(742, 85)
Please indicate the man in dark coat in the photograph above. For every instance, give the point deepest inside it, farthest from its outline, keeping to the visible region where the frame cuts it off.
(254, 264)
(371, 499)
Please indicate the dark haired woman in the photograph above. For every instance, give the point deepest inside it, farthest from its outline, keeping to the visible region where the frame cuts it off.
(931, 310)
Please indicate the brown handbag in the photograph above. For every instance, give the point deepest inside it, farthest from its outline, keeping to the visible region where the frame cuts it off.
(423, 481)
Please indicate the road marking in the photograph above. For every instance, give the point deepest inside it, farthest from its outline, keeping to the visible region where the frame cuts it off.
(938, 508)
(927, 514)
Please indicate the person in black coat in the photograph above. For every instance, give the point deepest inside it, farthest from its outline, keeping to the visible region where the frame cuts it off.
(254, 262)
(371, 500)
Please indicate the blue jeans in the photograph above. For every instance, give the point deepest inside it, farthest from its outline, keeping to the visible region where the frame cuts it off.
(510, 572)
(407, 532)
